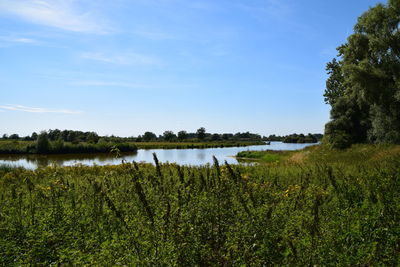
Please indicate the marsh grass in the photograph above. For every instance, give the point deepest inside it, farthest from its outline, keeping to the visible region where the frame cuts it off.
(333, 208)
(263, 155)
(188, 144)
(60, 147)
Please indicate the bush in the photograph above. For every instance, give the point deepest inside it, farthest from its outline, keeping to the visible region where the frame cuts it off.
(42, 143)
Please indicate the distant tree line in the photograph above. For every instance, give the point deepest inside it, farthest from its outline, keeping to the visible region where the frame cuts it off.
(54, 135)
(77, 137)
(295, 138)
(55, 142)
(201, 135)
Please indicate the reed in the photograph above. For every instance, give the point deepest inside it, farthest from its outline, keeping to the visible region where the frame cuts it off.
(325, 210)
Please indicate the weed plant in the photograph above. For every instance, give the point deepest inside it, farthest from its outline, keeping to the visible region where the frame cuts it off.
(323, 211)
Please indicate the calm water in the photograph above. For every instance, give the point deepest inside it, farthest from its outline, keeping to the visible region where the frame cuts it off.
(180, 156)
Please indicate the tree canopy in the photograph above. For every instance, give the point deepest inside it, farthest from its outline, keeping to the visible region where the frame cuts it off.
(42, 143)
(363, 87)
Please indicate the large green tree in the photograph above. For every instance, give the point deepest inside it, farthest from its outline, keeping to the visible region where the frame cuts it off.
(363, 87)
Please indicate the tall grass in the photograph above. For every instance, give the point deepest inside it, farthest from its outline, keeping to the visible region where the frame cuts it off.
(324, 211)
(188, 144)
(60, 147)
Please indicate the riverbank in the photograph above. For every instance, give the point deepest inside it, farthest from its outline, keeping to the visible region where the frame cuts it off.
(185, 145)
(263, 156)
(331, 208)
(356, 154)
(182, 156)
(60, 147)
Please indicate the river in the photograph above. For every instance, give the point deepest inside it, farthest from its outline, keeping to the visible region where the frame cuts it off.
(179, 156)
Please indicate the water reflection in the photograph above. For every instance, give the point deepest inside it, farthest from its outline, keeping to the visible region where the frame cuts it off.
(180, 156)
(201, 155)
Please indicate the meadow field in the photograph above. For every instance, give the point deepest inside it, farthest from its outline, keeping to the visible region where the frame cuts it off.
(313, 207)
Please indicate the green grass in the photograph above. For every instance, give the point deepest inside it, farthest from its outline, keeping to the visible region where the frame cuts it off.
(56, 147)
(263, 156)
(185, 145)
(316, 207)
(59, 147)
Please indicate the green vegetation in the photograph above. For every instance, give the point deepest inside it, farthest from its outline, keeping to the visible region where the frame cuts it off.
(363, 87)
(43, 146)
(67, 142)
(330, 208)
(42, 143)
(315, 207)
(60, 147)
(183, 145)
(264, 156)
(300, 139)
(76, 137)
(295, 138)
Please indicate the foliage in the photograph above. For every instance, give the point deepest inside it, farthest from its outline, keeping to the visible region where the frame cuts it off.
(335, 83)
(189, 144)
(300, 139)
(363, 86)
(149, 136)
(295, 138)
(169, 136)
(182, 135)
(76, 137)
(336, 208)
(264, 156)
(215, 137)
(103, 146)
(201, 133)
(42, 143)
(61, 147)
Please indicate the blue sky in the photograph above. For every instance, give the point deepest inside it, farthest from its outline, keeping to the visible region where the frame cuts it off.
(127, 66)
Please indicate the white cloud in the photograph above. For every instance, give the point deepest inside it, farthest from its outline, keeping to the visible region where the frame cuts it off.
(62, 14)
(18, 40)
(37, 110)
(112, 84)
(23, 40)
(122, 59)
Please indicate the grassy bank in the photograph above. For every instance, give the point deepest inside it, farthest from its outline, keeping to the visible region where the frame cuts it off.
(183, 145)
(330, 208)
(357, 154)
(60, 147)
(262, 156)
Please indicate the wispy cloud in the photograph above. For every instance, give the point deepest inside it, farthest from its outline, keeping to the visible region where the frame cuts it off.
(112, 84)
(122, 59)
(62, 14)
(37, 110)
(22, 40)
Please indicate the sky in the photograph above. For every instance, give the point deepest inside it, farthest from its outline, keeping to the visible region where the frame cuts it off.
(124, 67)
